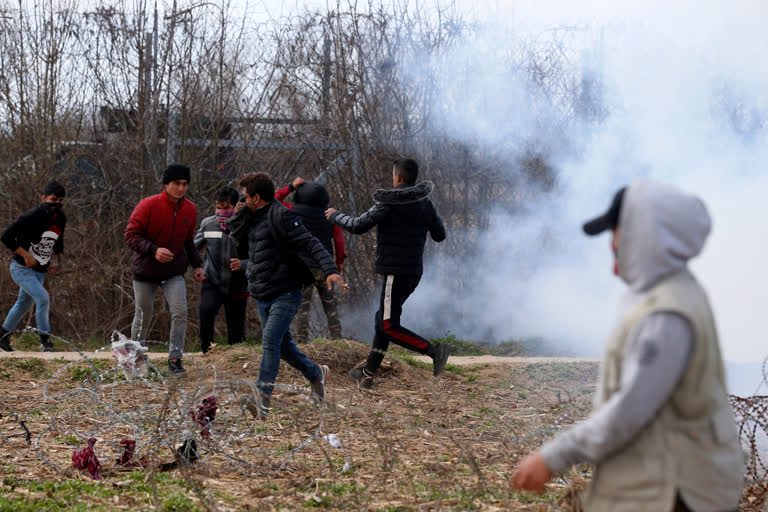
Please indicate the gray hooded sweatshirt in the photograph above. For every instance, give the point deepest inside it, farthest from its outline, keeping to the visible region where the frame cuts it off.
(660, 229)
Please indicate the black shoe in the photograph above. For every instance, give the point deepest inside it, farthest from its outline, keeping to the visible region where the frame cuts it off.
(440, 358)
(45, 343)
(5, 340)
(318, 386)
(362, 376)
(175, 368)
(258, 405)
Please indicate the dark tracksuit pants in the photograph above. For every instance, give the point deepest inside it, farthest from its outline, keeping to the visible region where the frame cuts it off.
(395, 289)
(211, 300)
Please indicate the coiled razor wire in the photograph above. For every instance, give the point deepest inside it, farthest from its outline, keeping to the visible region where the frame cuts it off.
(104, 407)
(157, 413)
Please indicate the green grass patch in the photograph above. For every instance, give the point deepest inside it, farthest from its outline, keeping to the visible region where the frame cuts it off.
(178, 503)
(461, 347)
(237, 356)
(34, 367)
(84, 495)
(81, 372)
(70, 440)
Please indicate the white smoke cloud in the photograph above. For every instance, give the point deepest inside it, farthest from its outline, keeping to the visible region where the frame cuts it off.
(687, 91)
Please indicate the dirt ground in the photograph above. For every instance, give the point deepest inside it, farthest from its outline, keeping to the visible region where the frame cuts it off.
(413, 442)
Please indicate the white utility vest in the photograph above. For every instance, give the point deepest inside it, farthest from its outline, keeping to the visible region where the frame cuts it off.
(692, 445)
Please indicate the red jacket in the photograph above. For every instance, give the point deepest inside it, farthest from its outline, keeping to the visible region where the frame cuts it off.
(159, 222)
(338, 234)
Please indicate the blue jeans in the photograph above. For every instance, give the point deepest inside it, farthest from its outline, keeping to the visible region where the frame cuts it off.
(31, 290)
(277, 343)
(175, 291)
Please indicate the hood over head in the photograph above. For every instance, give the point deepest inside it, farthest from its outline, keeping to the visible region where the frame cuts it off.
(660, 229)
(311, 194)
(404, 194)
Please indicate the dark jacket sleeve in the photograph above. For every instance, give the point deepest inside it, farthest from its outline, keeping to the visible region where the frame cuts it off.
(136, 230)
(436, 228)
(363, 223)
(307, 247)
(238, 225)
(193, 255)
(12, 233)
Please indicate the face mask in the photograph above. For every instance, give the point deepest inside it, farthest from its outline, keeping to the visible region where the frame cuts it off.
(52, 206)
(224, 214)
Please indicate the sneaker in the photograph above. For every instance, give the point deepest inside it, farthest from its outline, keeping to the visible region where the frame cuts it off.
(258, 406)
(362, 376)
(318, 386)
(440, 358)
(175, 368)
(5, 340)
(45, 344)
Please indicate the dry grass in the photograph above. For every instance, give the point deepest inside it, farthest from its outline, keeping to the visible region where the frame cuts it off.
(414, 442)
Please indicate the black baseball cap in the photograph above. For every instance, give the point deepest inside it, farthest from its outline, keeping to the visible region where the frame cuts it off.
(608, 220)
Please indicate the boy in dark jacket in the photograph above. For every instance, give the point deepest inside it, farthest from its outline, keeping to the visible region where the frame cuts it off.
(34, 238)
(310, 200)
(161, 233)
(278, 247)
(404, 216)
(225, 281)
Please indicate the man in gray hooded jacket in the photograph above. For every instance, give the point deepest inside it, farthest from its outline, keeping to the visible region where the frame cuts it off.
(662, 435)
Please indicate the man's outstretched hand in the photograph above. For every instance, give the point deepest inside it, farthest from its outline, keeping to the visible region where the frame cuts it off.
(532, 474)
(297, 182)
(336, 278)
(329, 212)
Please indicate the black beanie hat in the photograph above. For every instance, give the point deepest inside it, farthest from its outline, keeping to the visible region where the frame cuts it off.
(176, 172)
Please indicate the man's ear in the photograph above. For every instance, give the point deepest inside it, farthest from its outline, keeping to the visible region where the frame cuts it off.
(256, 198)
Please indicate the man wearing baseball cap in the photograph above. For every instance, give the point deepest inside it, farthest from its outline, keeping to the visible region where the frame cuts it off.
(662, 435)
(161, 233)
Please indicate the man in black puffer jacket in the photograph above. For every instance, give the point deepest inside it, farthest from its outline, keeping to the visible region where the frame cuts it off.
(278, 248)
(404, 216)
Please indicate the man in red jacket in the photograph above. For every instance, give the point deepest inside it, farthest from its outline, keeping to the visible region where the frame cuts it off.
(161, 234)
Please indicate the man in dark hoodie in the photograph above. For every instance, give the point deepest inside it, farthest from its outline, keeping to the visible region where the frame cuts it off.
(404, 216)
(225, 283)
(278, 248)
(310, 200)
(34, 238)
(161, 233)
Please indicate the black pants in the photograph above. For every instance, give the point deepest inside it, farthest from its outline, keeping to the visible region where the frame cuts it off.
(395, 290)
(211, 300)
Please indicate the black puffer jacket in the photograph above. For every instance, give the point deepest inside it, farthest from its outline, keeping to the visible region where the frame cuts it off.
(404, 216)
(277, 264)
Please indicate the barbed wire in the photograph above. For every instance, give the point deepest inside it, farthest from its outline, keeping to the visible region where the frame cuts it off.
(158, 413)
